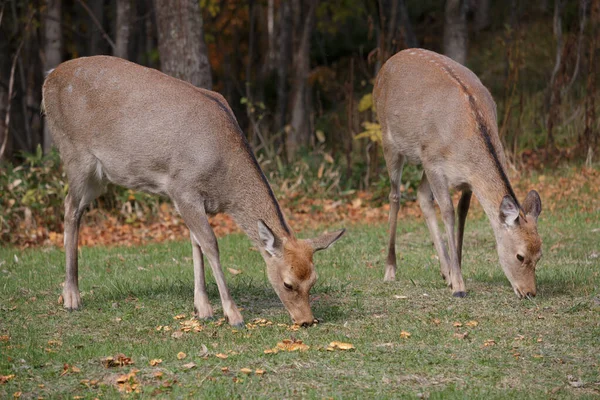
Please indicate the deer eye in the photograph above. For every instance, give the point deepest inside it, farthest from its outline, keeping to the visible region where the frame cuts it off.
(520, 258)
(287, 286)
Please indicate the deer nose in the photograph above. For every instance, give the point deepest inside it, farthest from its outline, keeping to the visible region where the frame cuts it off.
(530, 294)
(306, 324)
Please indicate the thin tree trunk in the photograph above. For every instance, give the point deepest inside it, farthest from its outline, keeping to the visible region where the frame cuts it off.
(97, 43)
(52, 51)
(124, 16)
(283, 59)
(183, 52)
(554, 89)
(590, 140)
(410, 39)
(482, 15)
(455, 30)
(299, 134)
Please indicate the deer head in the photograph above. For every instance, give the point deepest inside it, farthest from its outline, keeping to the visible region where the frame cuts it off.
(519, 245)
(291, 270)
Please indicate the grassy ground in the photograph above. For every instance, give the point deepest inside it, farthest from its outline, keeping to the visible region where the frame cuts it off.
(545, 348)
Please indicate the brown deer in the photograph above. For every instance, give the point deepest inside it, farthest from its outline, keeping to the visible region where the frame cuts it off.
(435, 112)
(116, 121)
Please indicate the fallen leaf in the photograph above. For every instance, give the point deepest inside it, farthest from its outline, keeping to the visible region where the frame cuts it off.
(189, 365)
(246, 371)
(203, 351)
(177, 335)
(221, 356)
(4, 338)
(575, 382)
(461, 335)
(404, 335)
(180, 316)
(16, 395)
(259, 372)
(117, 361)
(457, 324)
(400, 297)
(489, 342)
(158, 374)
(181, 355)
(75, 369)
(6, 378)
(155, 361)
(234, 271)
(225, 369)
(472, 324)
(436, 321)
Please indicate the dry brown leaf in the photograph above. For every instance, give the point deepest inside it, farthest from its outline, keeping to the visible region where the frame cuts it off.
(457, 324)
(246, 371)
(339, 346)
(4, 338)
(6, 378)
(259, 372)
(158, 374)
(472, 324)
(436, 321)
(234, 271)
(16, 395)
(461, 335)
(180, 316)
(155, 361)
(177, 335)
(181, 355)
(225, 369)
(489, 342)
(221, 356)
(75, 369)
(189, 365)
(117, 361)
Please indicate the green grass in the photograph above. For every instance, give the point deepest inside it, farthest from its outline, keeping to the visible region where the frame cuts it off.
(128, 292)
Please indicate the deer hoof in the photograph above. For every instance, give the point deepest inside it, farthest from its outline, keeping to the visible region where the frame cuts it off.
(460, 294)
(71, 299)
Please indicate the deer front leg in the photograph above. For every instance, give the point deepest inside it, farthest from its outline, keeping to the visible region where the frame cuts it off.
(463, 209)
(202, 308)
(425, 197)
(439, 187)
(196, 219)
(70, 294)
(395, 164)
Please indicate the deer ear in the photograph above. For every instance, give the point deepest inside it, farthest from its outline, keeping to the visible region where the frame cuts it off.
(509, 211)
(533, 204)
(325, 240)
(271, 243)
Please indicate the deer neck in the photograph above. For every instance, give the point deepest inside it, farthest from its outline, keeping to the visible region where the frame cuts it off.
(254, 203)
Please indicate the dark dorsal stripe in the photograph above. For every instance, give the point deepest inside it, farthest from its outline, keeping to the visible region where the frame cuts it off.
(251, 156)
(485, 133)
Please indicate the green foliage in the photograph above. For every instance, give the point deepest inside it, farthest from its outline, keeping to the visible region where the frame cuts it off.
(32, 193)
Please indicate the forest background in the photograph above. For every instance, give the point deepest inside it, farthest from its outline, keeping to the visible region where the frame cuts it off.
(298, 75)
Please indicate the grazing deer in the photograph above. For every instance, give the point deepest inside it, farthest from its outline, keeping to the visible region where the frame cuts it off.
(435, 112)
(115, 121)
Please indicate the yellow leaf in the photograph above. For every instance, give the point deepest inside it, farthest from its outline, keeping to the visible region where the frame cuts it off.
(246, 371)
(225, 369)
(180, 316)
(155, 361)
(366, 102)
(259, 371)
(404, 335)
(181, 355)
(341, 346)
(234, 271)
(472, 324)
(221, 356)
(457, 324)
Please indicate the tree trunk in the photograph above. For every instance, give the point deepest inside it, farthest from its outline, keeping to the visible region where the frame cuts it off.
(52, 51)
(455, 30)
(590, 140)
(299, 134)
(283, 59)
(124, 16)
(97, 43)
(408, 33)
(554, 87)
(482, 15)
(183, 52)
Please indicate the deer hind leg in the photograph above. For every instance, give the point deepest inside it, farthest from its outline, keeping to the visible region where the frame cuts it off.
(395, 164)
(426, 201)
(195, 217)
(202, 308)
(84, 186)
(439, 188)
(463, 209)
